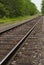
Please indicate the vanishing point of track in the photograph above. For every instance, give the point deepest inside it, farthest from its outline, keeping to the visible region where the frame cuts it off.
(11, 39)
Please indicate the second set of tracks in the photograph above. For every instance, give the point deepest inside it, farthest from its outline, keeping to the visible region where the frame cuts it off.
(11, 39)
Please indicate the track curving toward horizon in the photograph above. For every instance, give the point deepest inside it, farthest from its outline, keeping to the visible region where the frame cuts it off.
(11, 38)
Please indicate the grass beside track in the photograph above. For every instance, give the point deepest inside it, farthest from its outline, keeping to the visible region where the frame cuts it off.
(6, 21)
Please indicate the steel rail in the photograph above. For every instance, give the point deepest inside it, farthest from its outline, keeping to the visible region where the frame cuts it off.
(15, 25)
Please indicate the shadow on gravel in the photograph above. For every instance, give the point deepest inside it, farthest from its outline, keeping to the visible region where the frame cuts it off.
(24, 63)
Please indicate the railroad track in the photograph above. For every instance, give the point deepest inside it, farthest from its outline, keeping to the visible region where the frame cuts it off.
(12, 38)
(30, 51)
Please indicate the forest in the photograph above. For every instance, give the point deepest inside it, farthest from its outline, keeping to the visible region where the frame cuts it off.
(15, 8)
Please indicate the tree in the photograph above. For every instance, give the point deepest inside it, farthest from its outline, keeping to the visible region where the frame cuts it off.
(2, 10)
(33, 9)
(13, 8)
(43, 7)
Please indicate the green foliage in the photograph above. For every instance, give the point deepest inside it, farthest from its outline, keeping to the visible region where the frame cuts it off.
(32, 9)
(2, 10)
(13, 8)
(43, 7)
